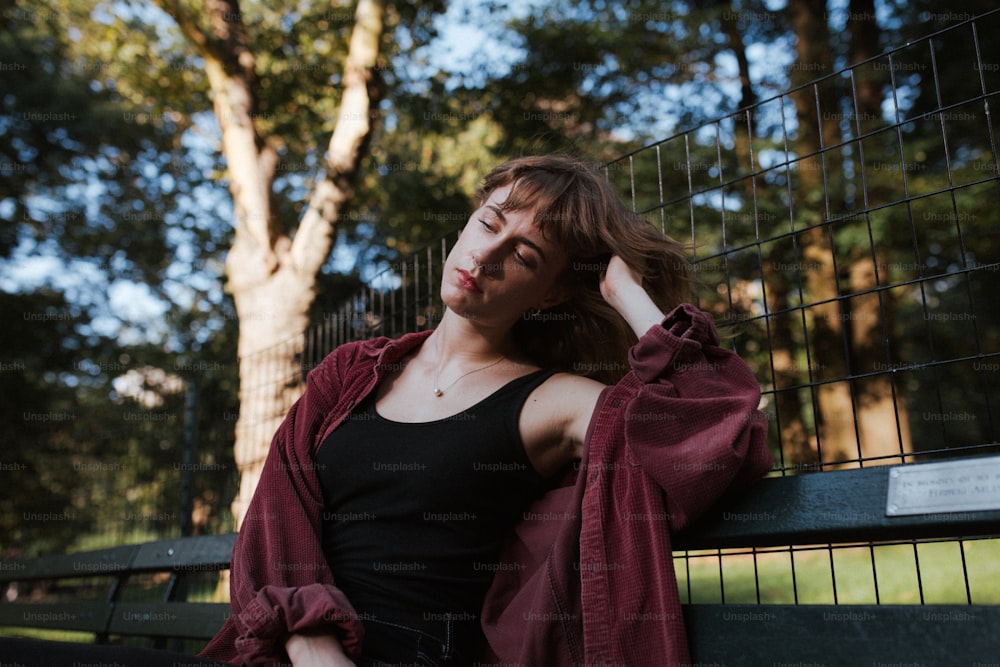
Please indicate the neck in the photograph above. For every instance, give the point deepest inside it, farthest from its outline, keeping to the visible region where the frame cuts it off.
(458, 338)
(462, 350)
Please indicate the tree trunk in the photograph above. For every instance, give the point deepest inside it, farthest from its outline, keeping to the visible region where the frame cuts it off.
(794, 441)
(271, 272)
(882, 417)
(835, 419)
(796, 449)
(864, 37)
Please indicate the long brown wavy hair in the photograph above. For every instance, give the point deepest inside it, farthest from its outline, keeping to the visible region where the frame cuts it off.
(576, 206)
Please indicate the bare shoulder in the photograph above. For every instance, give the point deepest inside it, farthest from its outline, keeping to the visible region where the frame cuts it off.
(574, 386)
(555, 418)
(568, 397)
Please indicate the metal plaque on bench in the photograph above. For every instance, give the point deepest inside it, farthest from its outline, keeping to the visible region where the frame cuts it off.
(965, 485)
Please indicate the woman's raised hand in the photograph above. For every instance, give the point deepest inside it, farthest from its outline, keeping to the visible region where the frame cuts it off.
(621, 287)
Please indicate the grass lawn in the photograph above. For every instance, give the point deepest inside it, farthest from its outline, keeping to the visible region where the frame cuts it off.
(847, 575)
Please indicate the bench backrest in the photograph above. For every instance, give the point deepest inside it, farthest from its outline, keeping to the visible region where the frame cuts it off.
(828, 508)
(169, 617)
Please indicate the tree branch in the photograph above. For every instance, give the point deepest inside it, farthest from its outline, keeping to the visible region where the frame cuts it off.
(230, 66)
(186, 23)
(314, 236)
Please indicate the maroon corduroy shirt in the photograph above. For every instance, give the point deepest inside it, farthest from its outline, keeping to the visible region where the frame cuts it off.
(588, 576)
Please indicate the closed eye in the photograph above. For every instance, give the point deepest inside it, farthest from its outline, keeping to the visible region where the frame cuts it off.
(520, 258)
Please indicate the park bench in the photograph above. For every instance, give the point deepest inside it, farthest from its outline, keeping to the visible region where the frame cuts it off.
(835, 507)
(166, 621)
(840, 508)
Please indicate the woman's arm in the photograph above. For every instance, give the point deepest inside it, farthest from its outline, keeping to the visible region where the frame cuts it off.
(316, 650)
(280, 582)
(695, 423)
(570, 400)
(621, 287)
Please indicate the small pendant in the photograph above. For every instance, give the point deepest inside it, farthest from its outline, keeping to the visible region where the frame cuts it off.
(438, 392)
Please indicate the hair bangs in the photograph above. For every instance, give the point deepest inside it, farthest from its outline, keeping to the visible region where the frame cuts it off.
(559, 201)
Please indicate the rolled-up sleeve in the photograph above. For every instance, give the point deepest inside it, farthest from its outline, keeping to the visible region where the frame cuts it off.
(694, 425)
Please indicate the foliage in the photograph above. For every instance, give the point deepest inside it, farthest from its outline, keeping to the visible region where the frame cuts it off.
(113, 268)
(95, 431)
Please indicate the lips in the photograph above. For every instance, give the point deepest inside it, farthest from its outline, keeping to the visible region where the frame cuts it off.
(466, 280)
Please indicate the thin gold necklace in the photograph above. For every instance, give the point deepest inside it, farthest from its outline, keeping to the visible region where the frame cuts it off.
(439, 392)
(437, 371)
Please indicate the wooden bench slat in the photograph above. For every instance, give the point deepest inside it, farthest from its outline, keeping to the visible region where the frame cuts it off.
(111, 561)
(208, 552)
(820, 508)
(187, 620)
(81, 616)
(755, 635)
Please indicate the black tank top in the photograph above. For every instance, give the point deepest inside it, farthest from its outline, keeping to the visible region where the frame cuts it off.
(415, 513)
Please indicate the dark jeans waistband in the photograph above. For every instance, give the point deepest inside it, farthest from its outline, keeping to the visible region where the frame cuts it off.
(425, 640)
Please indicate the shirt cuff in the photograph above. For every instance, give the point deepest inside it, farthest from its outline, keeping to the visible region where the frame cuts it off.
(677, 340)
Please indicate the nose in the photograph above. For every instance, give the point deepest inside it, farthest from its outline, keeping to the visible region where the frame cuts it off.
(489, 259)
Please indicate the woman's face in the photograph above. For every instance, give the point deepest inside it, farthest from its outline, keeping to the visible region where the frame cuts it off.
(502, 267)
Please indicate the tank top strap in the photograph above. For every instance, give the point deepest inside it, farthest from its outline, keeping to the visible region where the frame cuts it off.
(515, 393)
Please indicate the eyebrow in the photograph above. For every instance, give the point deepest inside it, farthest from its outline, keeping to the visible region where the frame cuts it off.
(526, 241)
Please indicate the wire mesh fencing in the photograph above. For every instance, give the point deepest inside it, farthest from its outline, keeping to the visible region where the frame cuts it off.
(846, 236)
(857, 272)
(401, 297)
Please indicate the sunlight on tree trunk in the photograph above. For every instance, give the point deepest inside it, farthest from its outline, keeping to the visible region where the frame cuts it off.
(881, 414)
(281, 299)
(857, 419)
(835, 421)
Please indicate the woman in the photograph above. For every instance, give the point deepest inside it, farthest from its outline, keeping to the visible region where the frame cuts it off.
(450, 497)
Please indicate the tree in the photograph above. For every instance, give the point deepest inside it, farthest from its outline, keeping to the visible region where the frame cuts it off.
(39, 511)
(602, 78)
(880, 407)
(862, 418)
(272, 270)
(855, 170)
(156, 167)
